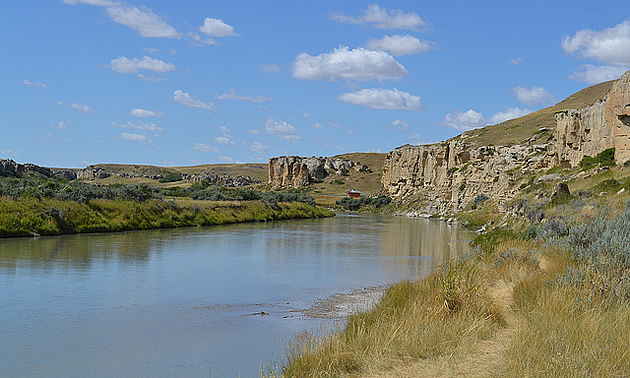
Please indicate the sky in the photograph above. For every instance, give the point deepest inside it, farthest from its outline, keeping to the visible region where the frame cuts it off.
(180, 83)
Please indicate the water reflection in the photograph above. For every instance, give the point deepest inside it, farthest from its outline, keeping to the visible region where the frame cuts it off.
(175, 302)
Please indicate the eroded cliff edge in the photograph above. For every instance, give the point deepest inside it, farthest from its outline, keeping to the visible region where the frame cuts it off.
(449, 175)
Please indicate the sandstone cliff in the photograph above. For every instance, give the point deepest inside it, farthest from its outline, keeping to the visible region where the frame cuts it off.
(295, 171)
(449, 175)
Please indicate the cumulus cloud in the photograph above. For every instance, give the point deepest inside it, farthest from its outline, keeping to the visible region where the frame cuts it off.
(591, 74)
(359, 64)
(282, 130)
(61, 125)
(31, 84)
(83, 108)
(202, 147)
(215, 27)
(224, 140)
(270, 68)
(509, 113)
(382, 18)
(467, 120)
(232, 95)
(224, 129)
(143, 20)
(378, 98)
(610, 46)
(191, 101)
(135, 138)
(399, 45)
(143, 113)
(516, 61)
(318, 126)
(258, 148)
(152, 127)
(125, 65)
(532, 96)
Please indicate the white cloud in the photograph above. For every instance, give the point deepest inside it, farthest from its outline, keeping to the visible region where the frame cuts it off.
(100, 3)
(189, 100)
(532, 96)
(135, 138)
(215, 27)
(143, 20)
(202, 147)
(400, 125)
(381, 18)
(610, 46)
(200, 41)
(31, 84)
(378, 98)
(143, 113)
(152, 127)
(125, 65)
(399, 45)
(232, 95)
(467, 120)
(83, 108)
(359, 64)
(270, 68)
(224, 140)
(509, 113)
(591, 74)
(61, 125)
(472, 119)
(318, 126)
(224, 129)
(226, 159)
(282, 130)
(258, 148)
(516, 61)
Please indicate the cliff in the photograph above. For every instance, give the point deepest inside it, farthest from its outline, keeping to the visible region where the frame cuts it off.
(449, 175)
(296, 171)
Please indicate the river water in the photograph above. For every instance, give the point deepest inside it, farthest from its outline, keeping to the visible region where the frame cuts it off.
(189, 302)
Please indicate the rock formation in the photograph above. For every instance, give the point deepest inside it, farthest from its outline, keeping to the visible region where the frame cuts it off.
(450, 174)
(295, 171)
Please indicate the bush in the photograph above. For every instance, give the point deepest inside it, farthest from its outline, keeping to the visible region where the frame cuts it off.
(604, 158)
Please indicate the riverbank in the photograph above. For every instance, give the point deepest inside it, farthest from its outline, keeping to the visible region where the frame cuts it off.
(33, 217)
(544, 291)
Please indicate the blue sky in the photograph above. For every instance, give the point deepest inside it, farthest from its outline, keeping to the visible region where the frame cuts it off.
(196, 81)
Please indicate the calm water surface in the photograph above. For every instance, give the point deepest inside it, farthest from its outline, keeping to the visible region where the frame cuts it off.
(180, 302)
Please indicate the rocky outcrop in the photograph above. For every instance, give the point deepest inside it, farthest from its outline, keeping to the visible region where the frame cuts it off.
(90, 173)
(296, 171)
(595, 128)
(449, 175)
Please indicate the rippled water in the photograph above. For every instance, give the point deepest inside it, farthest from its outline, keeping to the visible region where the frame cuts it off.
(188, 301)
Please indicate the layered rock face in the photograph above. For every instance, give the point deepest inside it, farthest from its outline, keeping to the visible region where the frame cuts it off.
(296, 171)
(451, 174)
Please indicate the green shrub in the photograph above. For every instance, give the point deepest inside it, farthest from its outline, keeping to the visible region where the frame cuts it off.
(604, 158)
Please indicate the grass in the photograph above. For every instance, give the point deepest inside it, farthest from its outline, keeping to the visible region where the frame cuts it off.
(30, 216)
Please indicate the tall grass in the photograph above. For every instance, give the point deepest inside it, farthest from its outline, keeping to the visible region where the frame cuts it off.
(414, 320)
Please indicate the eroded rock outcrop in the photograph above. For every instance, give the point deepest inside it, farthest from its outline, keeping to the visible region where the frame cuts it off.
(451, 174)
(296, 171)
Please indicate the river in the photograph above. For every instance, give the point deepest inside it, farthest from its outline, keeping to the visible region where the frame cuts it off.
(190, 302)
